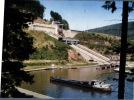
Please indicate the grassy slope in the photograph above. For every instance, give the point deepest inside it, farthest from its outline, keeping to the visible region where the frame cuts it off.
(40, 39)
(55, 52)
(105, 44)
(97, 41)
(47, 47)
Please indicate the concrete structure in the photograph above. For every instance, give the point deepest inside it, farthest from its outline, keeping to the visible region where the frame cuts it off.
(94, 53)
(55, 30)
(89, 55)
(34, 94)
(69, 33)
(41, 25)
(69, 40)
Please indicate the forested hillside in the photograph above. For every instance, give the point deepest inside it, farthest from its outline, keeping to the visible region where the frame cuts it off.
(115, 29)
(104, 43)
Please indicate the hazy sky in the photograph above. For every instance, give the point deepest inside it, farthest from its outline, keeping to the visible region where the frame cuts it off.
(82, 15)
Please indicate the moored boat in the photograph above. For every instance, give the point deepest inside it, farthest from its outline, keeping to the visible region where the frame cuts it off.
(94, 84)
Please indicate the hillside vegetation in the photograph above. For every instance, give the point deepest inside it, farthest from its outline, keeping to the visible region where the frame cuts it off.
(96, 41)
(115, 29)
(104, 43)
(47, 47)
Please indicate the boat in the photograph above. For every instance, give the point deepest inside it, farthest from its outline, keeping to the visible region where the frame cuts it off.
(94, 84)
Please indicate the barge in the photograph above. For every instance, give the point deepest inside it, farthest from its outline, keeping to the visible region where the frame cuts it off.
(94, 84)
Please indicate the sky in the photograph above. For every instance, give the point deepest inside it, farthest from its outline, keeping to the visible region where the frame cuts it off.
(84, 14)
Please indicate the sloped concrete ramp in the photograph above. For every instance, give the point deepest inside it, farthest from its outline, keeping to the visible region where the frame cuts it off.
(88, 54)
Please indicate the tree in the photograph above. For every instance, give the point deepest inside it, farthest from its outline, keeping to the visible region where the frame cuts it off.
(126, 9)
(66, 25)
(17, 44)
(57, 17)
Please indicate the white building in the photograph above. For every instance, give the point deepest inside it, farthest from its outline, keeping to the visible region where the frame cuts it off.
(42, 25)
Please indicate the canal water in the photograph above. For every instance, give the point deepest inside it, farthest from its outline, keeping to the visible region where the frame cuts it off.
(43, 85)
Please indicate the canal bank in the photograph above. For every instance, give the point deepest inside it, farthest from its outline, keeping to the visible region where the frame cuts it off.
(43, 64)
(34, 94)
(44, 86)
(105, 66)
(59, 67)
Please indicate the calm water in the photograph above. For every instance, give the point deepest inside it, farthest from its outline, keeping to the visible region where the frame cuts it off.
(42, 83)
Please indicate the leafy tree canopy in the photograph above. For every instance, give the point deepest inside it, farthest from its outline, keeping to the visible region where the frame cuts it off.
(57, 17)
(17, 44)
(66, 25)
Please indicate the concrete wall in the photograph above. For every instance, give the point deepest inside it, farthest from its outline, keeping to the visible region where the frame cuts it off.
(69, 33)
(53, 28)
(43, 27)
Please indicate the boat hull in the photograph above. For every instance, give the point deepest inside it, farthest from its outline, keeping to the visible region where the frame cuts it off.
(79, 83)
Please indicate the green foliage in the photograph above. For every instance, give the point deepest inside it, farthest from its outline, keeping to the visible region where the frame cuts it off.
(28, 6)
(132, 57)
(45, 63)
(98, 42)
(17, 44)
(51, 52)
(115, 29)
(130, 46)
(57, 17)
(110, 5)
(115, 46)
(66, 25)
(93, 41)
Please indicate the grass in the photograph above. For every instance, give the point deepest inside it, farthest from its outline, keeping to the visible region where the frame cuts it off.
(40, 38)
(44, 64)
(47, 47)
(40, 64)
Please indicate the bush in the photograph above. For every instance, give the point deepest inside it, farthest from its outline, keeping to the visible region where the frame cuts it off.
(132, 57)
(57, 51)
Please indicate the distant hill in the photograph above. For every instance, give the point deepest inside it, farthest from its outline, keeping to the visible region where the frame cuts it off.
(115, 29)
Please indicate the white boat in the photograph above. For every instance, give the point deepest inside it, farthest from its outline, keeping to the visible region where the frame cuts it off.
(101, 85)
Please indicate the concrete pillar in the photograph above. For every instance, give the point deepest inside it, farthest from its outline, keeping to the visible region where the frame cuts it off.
(66, 41)
(56, 29)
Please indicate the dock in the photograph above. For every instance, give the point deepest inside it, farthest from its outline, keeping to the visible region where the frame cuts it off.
(34, 94)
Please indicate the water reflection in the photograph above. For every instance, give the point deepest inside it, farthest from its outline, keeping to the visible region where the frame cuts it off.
(59, 90)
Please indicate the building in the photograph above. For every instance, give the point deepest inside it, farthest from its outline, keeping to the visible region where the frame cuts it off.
(42, 25)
